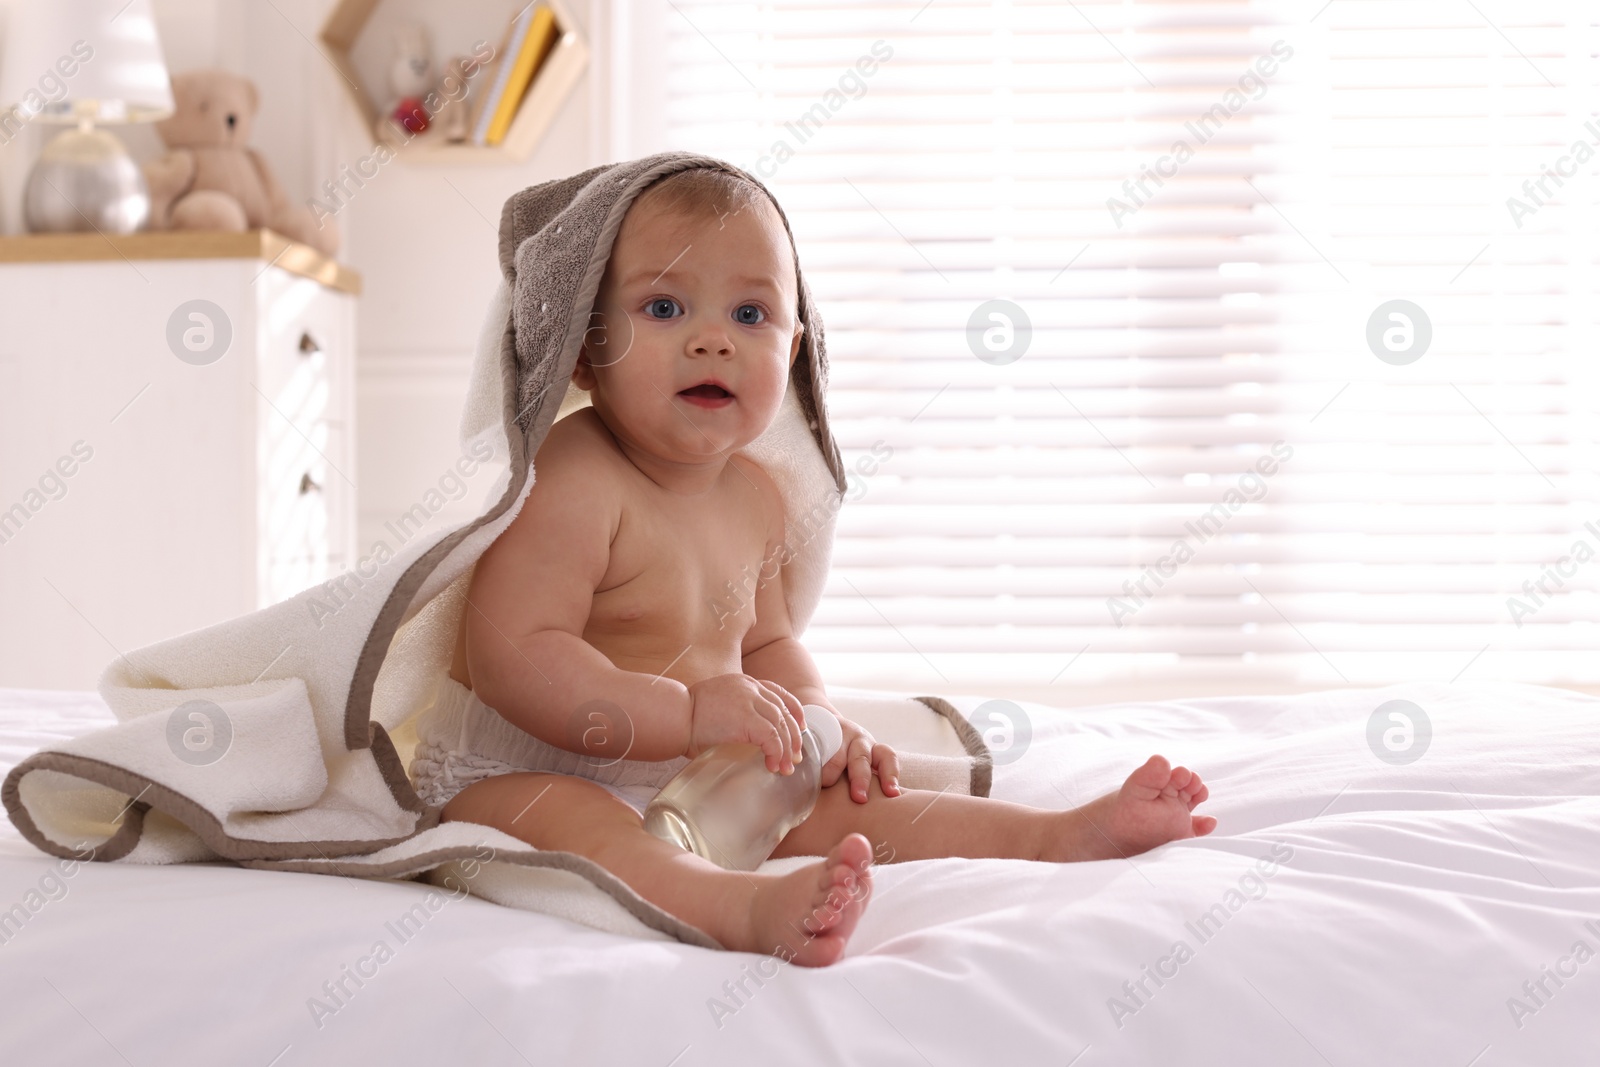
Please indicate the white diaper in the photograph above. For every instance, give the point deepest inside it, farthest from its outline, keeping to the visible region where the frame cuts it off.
(462, 740)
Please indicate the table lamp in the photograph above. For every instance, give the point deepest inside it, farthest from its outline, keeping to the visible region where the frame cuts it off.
(83, 63)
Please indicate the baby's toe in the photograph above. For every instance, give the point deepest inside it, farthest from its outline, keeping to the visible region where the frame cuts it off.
(1154, 773)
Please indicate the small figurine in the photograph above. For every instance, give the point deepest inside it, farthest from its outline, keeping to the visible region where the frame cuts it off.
(456, 120)
(410, 79)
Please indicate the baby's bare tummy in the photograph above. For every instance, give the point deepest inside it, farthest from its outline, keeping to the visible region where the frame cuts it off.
(679, 591)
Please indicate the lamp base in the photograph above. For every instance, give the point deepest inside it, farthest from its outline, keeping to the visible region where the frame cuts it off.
(85, 180)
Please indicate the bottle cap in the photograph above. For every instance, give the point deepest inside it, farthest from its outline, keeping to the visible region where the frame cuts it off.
(824, 726)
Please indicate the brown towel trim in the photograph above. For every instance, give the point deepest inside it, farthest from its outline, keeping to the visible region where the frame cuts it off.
(982, 758)
(149, 794)
(652, 916)
(358, 705)
(290, 856)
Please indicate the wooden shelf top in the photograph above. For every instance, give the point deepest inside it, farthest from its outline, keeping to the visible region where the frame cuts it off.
(266, 245)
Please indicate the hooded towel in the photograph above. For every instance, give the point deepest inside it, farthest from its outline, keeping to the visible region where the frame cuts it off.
(280, 739)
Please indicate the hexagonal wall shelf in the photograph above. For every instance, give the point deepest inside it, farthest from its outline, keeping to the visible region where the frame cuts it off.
(353, 39)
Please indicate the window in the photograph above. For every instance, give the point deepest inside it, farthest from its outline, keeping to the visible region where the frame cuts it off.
(1302, 388)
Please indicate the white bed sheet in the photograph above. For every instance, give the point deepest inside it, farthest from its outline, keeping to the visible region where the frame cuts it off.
(1416, 903)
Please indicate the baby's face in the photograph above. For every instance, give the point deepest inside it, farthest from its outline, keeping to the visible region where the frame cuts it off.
(687, 300)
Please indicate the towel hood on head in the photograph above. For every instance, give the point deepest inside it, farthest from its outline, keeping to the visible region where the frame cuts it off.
(555, 241)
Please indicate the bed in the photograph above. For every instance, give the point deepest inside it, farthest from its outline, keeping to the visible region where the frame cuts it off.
(1440, 905)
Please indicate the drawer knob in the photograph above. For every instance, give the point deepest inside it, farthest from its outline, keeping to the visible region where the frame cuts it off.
(308, 344)
(307, 483)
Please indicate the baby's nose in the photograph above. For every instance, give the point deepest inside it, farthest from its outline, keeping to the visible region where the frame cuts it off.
(713, 340)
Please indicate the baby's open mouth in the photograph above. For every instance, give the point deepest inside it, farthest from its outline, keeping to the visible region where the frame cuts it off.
(706, 391)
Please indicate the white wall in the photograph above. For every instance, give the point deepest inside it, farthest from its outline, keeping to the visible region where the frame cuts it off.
(423, 237)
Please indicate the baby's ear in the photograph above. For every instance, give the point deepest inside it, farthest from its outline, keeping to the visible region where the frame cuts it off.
(583, 371)
(794, 345)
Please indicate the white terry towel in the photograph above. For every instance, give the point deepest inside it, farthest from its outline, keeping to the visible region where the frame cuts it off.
(271, 739)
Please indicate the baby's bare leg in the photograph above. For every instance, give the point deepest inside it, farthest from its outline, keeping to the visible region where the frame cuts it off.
(1154, 806)
(805, 916)
(921, 824)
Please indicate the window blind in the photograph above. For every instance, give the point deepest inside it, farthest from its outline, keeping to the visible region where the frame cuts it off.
(1294, 380)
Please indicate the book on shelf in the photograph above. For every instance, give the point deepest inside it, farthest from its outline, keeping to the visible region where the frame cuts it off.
(523, 50)
(498, 73)
(536, 44)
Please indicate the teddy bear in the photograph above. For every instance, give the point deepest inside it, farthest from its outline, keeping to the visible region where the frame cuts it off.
(209, 179)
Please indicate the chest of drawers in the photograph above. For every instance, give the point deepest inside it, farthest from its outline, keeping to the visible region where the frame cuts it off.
(176, 439)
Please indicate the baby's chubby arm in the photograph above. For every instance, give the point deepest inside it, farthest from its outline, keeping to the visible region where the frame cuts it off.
(528, 604)
(771, 652)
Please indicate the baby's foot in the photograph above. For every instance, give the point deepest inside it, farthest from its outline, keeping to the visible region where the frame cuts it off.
(1152, 807)
(808, 915)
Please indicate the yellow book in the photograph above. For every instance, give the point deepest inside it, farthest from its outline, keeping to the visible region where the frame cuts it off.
(541, 35)
(489, 80)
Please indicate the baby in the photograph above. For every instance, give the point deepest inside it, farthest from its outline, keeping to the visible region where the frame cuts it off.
(586, 630)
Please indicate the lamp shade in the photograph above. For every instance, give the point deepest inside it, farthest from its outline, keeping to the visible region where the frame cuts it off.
(67, 60)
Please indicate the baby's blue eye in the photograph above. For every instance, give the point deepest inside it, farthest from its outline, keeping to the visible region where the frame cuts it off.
(661, 308)
(749, 315)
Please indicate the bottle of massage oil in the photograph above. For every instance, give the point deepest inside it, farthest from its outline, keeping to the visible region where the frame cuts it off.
(725, 806)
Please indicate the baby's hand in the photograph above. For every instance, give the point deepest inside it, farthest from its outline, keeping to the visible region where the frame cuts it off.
(737, 707)
(863, 757)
